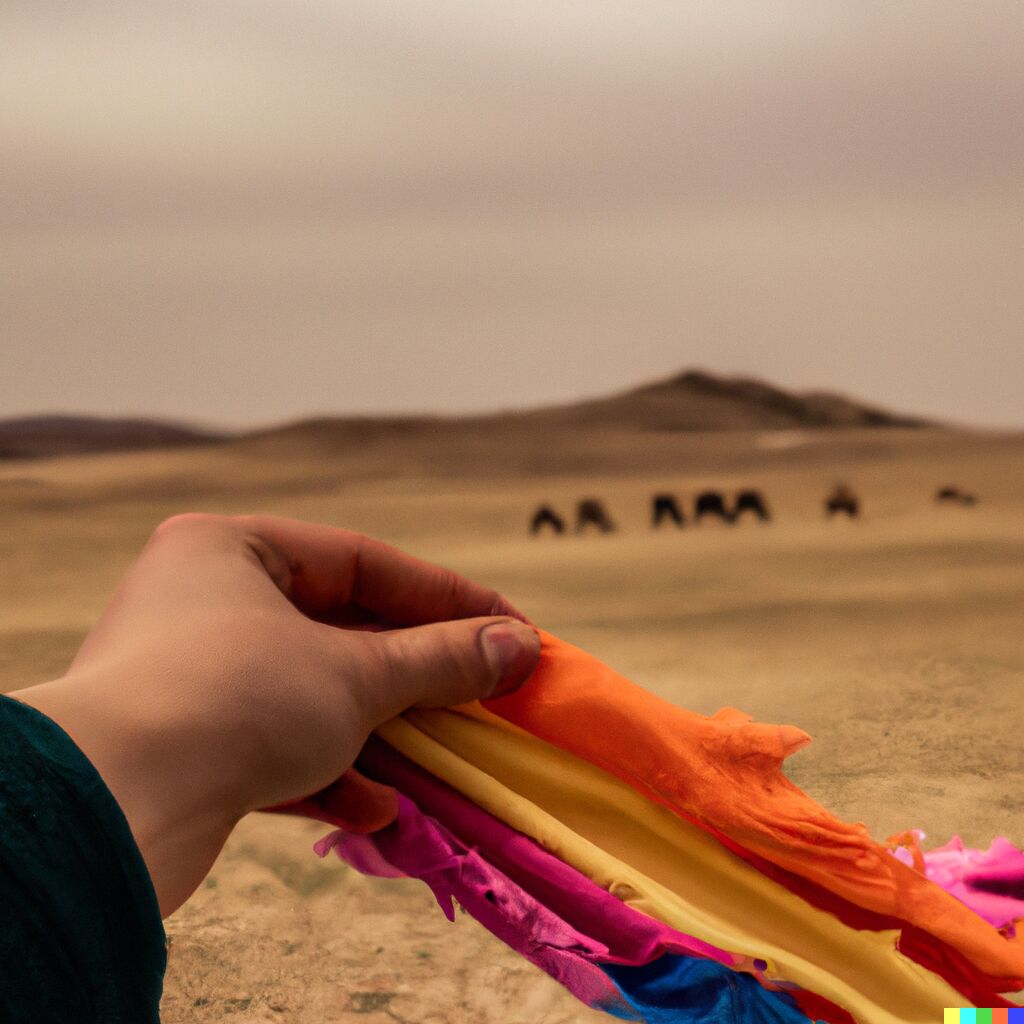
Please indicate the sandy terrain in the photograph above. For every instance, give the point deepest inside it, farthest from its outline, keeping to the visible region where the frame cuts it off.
(895, 641)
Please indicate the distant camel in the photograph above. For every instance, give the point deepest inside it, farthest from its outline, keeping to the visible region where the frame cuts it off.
(665, 505)
(546, 516)
(954, 496)
(591, 512)
(751, 501)
(842, 499)
(711, 503)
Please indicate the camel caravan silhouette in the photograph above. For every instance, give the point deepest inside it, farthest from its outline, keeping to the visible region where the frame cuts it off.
(546, 516)
(665, 508)
(665, 505)
(752, 502)
(714, 504)
(591, 512)
(842, 499)
(953, 495)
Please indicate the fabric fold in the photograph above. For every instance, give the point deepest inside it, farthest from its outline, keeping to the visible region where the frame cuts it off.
(725, 772)
(630, 937)
(659, 862)
(699, 889)
(695, 990)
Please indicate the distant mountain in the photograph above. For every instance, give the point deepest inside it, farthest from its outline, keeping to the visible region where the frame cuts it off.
(30, 437)
(699, 401)
(690, 402)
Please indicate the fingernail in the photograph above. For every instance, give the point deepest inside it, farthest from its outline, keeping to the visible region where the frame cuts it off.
(511, 650)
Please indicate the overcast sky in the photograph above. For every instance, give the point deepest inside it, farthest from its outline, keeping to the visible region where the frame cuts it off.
(244, 211)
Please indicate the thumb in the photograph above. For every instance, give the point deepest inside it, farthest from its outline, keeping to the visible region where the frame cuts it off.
(454, 662)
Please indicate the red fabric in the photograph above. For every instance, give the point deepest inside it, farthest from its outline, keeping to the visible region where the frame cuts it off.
(353, 802)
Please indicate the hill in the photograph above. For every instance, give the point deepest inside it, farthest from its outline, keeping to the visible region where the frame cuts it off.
(690, 402)
(694, 401)
(31, 437)
(699, 401)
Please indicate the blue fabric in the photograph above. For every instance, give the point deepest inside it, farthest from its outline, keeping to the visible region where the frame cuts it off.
(688, 990)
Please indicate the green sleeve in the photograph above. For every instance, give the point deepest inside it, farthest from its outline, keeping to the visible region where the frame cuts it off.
(81, 938)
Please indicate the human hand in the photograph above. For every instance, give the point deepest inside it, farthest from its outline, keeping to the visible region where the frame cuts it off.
(243, 661)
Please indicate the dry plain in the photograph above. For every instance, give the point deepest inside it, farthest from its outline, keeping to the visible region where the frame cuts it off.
(896, 641)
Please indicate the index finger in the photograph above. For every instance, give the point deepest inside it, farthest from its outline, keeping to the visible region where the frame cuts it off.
(322, 569)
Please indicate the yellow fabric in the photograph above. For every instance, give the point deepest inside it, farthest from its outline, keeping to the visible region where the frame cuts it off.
(665, 867)
(725, 772)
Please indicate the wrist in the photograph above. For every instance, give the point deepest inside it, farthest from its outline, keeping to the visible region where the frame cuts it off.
(176, 821)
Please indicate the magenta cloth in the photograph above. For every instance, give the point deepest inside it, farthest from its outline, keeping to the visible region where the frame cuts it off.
(990, 882)
(629, 936)
(416, 846)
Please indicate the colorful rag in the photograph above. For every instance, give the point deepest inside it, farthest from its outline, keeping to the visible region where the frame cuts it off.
(417, 846)
(659, 864)
(990, 882)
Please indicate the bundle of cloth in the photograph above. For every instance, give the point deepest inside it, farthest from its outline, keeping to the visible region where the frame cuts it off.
(660, 865)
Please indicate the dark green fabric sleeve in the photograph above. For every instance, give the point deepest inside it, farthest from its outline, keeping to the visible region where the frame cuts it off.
(81, 938)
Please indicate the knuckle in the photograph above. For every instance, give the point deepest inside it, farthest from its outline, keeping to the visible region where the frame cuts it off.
(186, 522)
(447, 653)
(373, 667)
(451, 593)
(394, 652)
(274, 561)
(191, 531)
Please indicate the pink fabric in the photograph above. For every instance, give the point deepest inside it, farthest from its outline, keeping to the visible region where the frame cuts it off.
(419, 847)
(990, 882)
(629, 936)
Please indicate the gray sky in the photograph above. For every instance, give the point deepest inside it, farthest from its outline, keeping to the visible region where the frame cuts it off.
(243, 211)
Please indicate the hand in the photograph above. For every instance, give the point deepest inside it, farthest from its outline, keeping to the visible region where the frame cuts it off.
(243, 661)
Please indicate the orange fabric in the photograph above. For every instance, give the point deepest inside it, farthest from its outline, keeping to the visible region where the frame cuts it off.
(724, 772)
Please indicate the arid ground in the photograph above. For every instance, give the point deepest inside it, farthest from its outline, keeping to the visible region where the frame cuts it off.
(897, 641)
